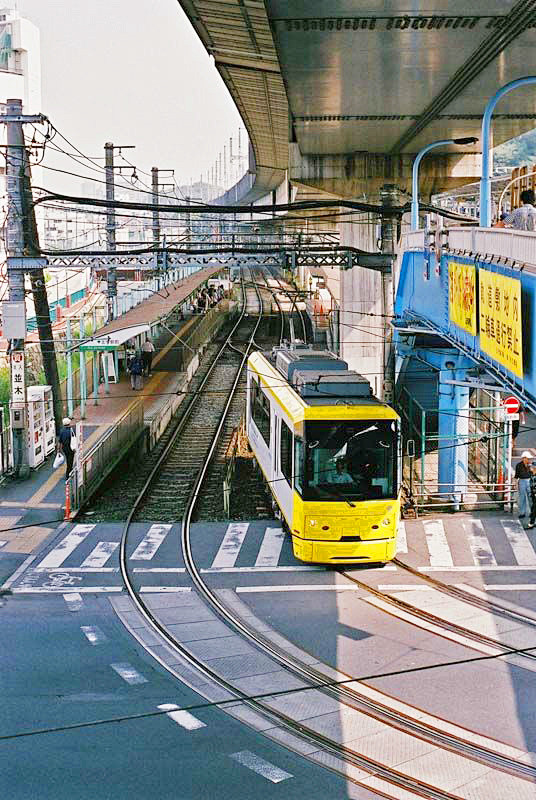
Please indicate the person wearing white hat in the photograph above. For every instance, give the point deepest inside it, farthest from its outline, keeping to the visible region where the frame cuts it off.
(64, 444)
(523, 474)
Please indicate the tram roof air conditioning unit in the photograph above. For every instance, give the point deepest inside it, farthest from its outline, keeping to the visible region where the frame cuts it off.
(331, 383)
(288, 361)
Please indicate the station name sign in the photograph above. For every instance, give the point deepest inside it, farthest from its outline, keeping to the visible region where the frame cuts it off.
(498, 322)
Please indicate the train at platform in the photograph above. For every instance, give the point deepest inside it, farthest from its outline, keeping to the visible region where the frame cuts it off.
(329, 452)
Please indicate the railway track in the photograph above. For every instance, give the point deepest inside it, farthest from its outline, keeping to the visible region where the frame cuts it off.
(317, 678)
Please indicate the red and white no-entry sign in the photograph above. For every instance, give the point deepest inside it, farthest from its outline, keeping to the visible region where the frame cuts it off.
(511, 405)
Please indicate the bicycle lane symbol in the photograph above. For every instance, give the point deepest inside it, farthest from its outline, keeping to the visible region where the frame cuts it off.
(59, 580)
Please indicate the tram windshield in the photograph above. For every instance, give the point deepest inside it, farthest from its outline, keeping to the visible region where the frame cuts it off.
(347, 460)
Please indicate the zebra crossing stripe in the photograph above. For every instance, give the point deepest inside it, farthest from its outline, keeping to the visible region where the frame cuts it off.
(231, 544)
(479, 543)
(519, 542)
(401, 538)
(59, 554)
(151, 542)
(270, 549)
(257, 764)
(438, 547)
(100, 555)
(182, 718)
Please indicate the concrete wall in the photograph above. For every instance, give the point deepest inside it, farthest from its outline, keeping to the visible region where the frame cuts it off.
(361, 336)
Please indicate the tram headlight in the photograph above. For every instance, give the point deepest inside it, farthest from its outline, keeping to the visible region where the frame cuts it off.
(386, 521)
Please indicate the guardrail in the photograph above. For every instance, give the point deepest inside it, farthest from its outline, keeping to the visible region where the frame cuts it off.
(468, 495)
(92, 467)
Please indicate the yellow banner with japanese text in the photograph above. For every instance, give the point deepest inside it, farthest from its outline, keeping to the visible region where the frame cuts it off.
(462, 296)
(500, 319)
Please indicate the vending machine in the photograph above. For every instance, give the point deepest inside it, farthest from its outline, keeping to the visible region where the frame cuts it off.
(41, 425)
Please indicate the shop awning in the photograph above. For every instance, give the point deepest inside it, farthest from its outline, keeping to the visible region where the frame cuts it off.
(112, 341)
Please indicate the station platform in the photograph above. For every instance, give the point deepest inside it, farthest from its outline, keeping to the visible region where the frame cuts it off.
(31, 510)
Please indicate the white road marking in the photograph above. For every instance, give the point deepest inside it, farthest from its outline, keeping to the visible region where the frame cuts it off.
(151, 542)
(498, 568)
(52, 570)
(401, 538)
(300, 588)
(93, 634)
(231, 544)
(165, 589)
(159, 569)
(100, 555)
(270, 549)
(272, 773)
(61, 589)
(2, 543)
(182, 718)
(18, 572)
(519, 542)
(73, 600)
(57, 556)
(479, 543)
(436, 540)
(128, 673)
(285, 569)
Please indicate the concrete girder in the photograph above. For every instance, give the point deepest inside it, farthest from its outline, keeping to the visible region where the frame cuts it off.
(363, 173)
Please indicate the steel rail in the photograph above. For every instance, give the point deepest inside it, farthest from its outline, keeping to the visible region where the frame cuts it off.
(447, 625)
(316, 678)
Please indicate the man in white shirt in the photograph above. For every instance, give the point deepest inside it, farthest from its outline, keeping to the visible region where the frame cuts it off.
(147, 351)
(524, 217)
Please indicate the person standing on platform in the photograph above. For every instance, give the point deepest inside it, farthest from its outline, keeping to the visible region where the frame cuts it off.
(136, 372)
(147, 351)
(523, 475)
(524, 217)
(64, 444)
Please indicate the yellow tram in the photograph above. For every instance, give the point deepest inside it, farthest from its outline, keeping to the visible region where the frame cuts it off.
(329, 452)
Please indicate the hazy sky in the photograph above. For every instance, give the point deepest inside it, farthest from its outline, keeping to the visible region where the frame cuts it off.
(132, 72)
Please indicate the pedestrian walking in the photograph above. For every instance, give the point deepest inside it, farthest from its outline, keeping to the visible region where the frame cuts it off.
(523, 475)
(65, 436)
(147, 351)
(532, 521)
(136, 372)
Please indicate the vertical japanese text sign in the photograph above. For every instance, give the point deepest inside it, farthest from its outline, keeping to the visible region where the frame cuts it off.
(18, 386)
(500, 319)
(462, 296)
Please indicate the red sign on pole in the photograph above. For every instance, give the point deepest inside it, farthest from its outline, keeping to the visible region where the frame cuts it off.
(511, 404)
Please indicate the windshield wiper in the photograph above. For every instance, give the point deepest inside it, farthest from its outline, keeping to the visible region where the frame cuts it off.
(338, 495)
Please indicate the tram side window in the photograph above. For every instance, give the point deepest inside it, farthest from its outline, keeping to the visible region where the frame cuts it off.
(260, 411)
(298, 464)
(286, 451)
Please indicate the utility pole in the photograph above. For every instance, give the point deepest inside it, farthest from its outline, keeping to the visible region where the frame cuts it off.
(24, 255)
(109, 168)
(156, 216)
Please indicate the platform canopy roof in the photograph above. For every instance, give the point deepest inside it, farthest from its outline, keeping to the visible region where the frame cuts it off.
(111, 341)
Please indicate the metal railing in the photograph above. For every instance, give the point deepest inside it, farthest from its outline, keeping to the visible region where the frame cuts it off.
(462, 497)
(93, 466)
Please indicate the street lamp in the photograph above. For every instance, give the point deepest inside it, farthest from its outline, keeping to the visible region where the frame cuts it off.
(485, 183)
(415, 174)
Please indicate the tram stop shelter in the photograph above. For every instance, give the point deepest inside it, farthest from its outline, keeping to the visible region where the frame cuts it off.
(112, 348)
